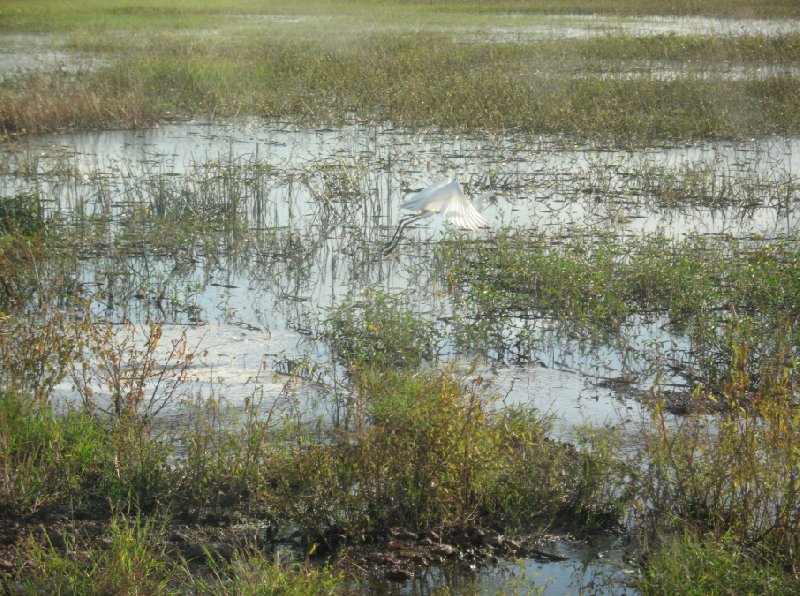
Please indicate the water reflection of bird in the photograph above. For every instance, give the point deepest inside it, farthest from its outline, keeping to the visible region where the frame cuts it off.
(447, 198)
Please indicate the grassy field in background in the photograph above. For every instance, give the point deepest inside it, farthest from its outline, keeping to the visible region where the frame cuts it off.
(443, 65)
(40, 15)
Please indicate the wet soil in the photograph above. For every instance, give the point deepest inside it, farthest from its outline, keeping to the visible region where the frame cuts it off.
(396, 556)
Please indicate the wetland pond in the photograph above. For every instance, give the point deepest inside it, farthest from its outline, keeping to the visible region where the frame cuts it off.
(242, 237)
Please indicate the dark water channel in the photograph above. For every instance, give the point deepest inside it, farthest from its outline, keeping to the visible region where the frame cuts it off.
(589, 568)
(300, 217)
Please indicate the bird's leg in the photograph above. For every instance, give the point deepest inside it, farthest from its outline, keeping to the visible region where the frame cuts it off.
(403, 224)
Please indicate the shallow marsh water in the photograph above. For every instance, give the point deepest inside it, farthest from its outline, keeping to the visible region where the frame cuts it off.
(588, 568)
(313, 208)
(22, 54)
(319, 204)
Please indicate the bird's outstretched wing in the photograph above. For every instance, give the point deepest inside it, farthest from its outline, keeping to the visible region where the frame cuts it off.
(447, 198)
(431, 199)
(459, 210)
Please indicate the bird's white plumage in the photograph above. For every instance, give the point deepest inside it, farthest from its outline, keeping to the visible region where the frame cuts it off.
(447, 198)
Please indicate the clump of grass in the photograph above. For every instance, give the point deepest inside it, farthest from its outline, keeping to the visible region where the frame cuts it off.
(706, 50)
(41, 103)
(686, 564)
(30, 268)
(231, 456)
(714, 292)
(74, 462)
(46, 461)
(380, 331)
(129, 564)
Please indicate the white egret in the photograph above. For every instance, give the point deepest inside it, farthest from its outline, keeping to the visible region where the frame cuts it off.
(447, 198)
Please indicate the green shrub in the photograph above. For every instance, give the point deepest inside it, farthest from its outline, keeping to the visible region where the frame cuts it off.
(379, 331)
(431, 449)
(735, 476)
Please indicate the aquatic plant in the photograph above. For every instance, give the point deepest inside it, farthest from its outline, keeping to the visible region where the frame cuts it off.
(707, 290)
(21, 214)
(725, 486)
(378, 330)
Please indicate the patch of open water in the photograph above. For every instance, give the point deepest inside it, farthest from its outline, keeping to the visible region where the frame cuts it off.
(22, 54)
(585, 26)
(333, 196)
(588, 568)
(324, 201)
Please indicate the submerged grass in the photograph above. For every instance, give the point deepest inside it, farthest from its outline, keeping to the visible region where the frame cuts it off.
(720, 294)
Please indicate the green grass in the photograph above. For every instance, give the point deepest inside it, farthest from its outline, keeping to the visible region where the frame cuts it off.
(131, 557)
(687, 564)
(717, 293)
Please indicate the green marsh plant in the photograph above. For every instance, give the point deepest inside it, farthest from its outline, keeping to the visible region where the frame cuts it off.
(130, 562)
(379, 330)
(723, 486)
(715, 292)
(421, 78)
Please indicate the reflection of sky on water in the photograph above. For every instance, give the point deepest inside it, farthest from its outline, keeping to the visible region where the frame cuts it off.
(586, 570)
(333, 196)
(555, 184)
(585, 26)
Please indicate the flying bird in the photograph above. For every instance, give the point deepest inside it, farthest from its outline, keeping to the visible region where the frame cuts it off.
(447, 198)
